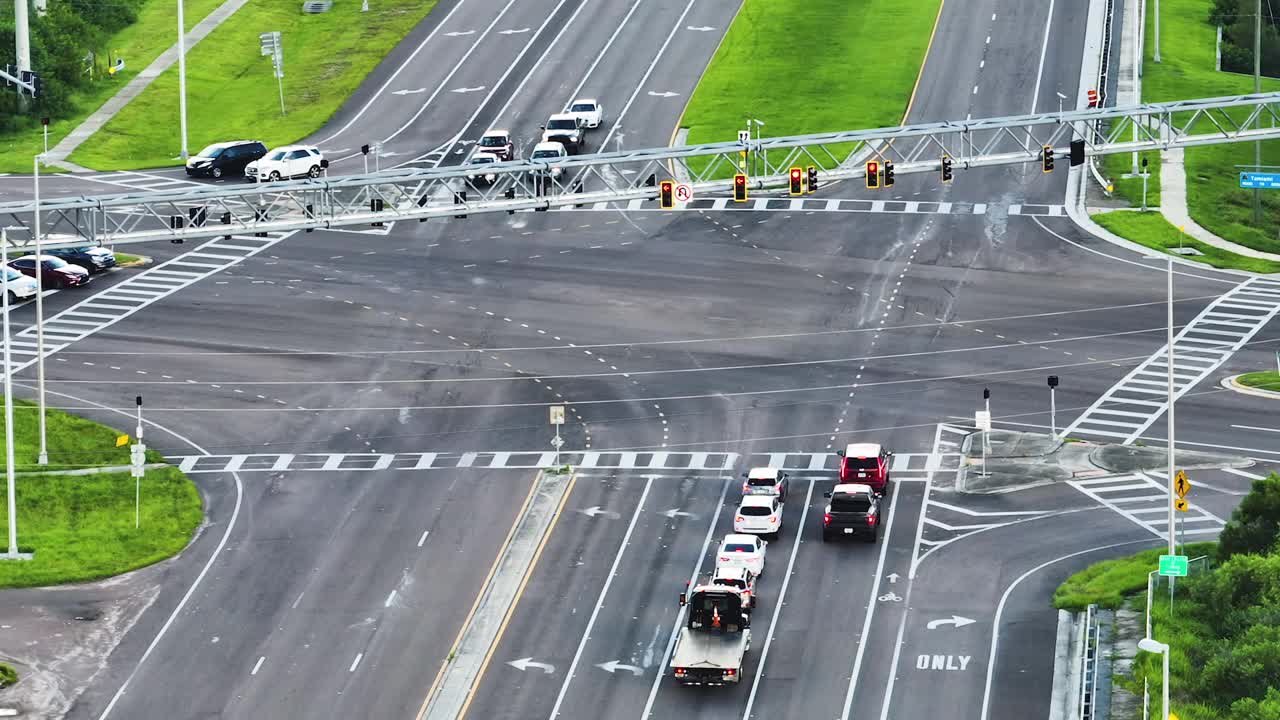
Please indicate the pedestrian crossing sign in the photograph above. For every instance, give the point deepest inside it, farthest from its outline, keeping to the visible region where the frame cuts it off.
(122, 440)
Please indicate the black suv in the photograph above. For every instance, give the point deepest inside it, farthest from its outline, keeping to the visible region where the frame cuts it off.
(91, 257)
(852, 510)
(226, 159)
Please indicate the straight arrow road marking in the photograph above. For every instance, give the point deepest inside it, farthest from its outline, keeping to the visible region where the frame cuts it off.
(664, 94)
(955, 620)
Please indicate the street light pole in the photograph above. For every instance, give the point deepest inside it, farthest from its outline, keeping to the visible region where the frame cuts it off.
(182, 78)
(1146, 644)
(1169, 363)
(8, 404)
(1157, 48)
(1053, 406)
(1257, 88)
(43, 457)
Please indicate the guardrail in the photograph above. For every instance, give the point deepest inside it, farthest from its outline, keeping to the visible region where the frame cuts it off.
(1089, 677)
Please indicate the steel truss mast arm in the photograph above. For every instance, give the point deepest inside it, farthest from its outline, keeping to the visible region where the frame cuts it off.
(417, 194)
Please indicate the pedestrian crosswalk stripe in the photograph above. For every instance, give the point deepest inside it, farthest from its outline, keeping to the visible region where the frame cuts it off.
(1200, 348)
(836, 205)
(533, 459)
(1145, 501)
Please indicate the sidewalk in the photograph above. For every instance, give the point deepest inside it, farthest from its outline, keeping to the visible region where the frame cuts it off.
(57, 156)
(1173, 175)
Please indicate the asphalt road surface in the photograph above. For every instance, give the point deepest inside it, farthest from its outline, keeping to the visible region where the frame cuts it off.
(336, 592)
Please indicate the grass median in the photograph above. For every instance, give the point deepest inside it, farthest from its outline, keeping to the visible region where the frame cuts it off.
(139, 44)
(810, 67)
(1154, 231)
(1107, 583)
(1261, 380)
(231, 90)
(73, 442)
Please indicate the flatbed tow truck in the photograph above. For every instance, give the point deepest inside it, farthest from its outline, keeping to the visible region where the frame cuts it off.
(714, 639)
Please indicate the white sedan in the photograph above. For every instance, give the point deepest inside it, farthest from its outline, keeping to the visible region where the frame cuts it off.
(744, 551)
(759, 514)
(588, 112)
(20, 286)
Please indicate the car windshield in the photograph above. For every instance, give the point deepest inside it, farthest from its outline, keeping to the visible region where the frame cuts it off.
(861, 463)
(11, 274)
(764, 482)
(850, 503)
(583, 107)
(739, 547)
(755, 510)
(562, 124)
(544, 154)
(212, 151)
(55, 263)
(277, 155)
(492, 141)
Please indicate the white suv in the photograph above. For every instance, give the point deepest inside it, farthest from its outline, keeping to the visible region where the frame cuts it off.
(549, 152)
(287, 162)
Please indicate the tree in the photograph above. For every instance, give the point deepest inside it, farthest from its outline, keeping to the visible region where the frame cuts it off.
(1252, 709)
(1255, 525)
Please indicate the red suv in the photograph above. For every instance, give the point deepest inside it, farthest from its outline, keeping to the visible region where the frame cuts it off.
(866, 464)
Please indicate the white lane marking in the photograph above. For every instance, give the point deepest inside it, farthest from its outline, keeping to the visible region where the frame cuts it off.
(355, 662)
(581, 83)
(424, 537)
(995, 628)
(1241, 473)
(257, 665)
(777, 612)
(595, 612)
(1044, 48)
(871, 607)
(679, 622)
(390, 599)
(299, 600)
(1253, 427)
(1145, 265)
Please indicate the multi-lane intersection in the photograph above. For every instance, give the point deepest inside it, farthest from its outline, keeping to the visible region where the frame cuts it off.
(365, 411)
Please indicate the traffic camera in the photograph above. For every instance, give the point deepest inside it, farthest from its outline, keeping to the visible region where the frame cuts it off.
(873, 175)
(797, 181)
(946, 168)
(813, 179)
(1046, 159)
(888, 173)
(667, 195)
(740, 188)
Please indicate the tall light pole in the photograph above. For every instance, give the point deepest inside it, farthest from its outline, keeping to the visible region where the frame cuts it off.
(1257, 88)
(1148, 645)
(8, 405)
(22, 35)
(43, 457)
(182, 78)
(1157, 49)
(1061, 97)
(1169, 363)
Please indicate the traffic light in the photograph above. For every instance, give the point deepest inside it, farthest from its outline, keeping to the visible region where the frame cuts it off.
(1046, 159)
(873, 174)
(946, 168)
(1077, 152)
(813, 179)
(797, 181)
(37, 86)
(888, 173)
(667, 195)
(739, 188)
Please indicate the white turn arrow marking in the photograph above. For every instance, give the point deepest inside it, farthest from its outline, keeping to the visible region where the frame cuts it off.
(614, 666)
(467, 142)
(595, 510)
(389, 153)
(525, 663)
(704, 28)
(676, 512)
(455, 33)
(467, 89)
(893, 578)
(406, 91)
(513, 32)
(953, 620)
(665, 94)
(338, 151)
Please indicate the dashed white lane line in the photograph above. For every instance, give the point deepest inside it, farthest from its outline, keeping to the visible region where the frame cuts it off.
(423, 539)
(390, 599)
(258, 665)
(355, 662)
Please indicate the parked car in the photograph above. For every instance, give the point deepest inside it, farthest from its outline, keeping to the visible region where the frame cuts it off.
(550, 152)
(853, 510)
(20, 286)
(765, 481)
(865, 463)
(499, 143)
(742, 551)
(564, 129)
(54, 271)
(93, 258)
(483, 158)
(589, 112)
(287, 162)
(225, 158)
(759, 514)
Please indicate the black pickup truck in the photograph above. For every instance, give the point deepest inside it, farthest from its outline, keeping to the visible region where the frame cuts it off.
(852, 511)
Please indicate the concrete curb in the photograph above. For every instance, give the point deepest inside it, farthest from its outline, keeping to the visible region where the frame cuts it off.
(92, 470)
(1064, 665)
(1232, 384)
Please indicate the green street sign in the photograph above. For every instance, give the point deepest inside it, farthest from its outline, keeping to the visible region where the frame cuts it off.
(1173, 565)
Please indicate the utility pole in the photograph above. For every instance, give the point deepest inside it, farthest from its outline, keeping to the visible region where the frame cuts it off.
(1172, 469)
(1157, 48)
(182, 78)
(43, 457)
(1257, 88)
(8, 404)
(22, 35)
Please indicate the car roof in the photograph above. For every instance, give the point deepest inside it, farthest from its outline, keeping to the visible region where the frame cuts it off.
(860, 450)
(42, 257)
(740, 538)
(593, 101)
(756, 500)
(558, 147)
(503, 133)
(852, 489)
(563, 116)
(483, 154)
(764, 473)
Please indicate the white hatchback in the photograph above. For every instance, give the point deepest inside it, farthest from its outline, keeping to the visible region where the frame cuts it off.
(744, 551)
(759, 514)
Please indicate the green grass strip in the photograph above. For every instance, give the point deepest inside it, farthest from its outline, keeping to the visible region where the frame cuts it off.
(865, 58)
(155, 31)
(73, 442)
(1261, 380)
(1154, 231)
(1106, 583)
(81, 527)
(231, 90)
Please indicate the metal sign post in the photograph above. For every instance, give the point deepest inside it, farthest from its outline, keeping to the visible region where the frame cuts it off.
(982, 419)
(557, 419)
(138, 461)
(8, 404)
(269, 44)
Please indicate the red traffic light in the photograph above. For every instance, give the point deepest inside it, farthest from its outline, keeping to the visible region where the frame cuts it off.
(795, 173)
(873, 167)
(740, 179)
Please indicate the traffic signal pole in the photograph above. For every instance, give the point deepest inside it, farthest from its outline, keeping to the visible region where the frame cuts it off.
(22, 35)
